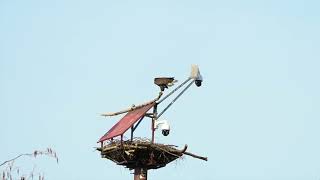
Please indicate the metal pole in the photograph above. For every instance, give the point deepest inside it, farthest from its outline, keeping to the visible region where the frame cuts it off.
(174, 90)
(132, 133)
(144, 173)
(122, 140)
(140, 174)
(135, 127)
(137, 173)
(175, 98)
(155, 112)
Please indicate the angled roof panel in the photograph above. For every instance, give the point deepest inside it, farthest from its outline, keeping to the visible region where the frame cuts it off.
(126, 122)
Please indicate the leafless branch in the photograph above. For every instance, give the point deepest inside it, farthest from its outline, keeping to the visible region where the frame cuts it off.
(10, 160)
(9, 167)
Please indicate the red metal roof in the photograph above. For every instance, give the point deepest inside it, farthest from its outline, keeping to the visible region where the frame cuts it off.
(126, 122)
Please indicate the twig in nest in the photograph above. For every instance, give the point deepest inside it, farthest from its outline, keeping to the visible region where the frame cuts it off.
(196, 156)
(168, 152)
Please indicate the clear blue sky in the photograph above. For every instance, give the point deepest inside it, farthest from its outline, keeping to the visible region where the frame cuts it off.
(62, 63)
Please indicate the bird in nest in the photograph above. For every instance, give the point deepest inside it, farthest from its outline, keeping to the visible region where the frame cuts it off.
(164, 82)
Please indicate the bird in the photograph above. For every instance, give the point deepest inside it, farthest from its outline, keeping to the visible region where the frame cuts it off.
(164, 82)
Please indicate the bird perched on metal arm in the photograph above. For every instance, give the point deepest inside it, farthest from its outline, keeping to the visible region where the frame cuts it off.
(164, 82)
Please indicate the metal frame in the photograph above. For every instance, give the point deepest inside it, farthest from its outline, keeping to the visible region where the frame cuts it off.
(177, 97)
(134, 127)
(154, 115)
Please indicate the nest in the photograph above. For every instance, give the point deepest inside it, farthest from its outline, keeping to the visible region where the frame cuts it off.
(140, 153)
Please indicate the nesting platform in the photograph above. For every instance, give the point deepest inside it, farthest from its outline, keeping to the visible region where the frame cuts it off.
(142, 154)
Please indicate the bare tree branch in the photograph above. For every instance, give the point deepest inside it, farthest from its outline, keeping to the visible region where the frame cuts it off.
(9, 166)
(10, 160)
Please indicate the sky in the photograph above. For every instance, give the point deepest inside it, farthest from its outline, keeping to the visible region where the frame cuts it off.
(256, 116)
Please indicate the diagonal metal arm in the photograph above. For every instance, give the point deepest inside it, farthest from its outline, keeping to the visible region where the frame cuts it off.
(174, 100)
(135, 127)
(173, 91)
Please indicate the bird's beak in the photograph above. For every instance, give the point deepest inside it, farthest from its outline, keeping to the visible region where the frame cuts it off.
(172, 83)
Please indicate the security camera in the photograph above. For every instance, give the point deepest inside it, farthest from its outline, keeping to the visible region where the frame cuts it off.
(198, 82)
(195, 74)
(164, 126)
(165, 132)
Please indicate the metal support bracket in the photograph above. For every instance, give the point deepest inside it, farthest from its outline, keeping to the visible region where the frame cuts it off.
(174, 100)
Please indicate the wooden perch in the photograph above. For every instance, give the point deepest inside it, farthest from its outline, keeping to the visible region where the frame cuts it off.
(183, 151)
(133, 108)
(196, 156)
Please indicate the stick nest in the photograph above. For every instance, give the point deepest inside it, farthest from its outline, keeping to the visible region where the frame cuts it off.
(140, 153)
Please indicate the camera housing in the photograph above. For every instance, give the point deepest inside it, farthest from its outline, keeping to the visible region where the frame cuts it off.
(165, 132)
(198, 82)
(164, 126)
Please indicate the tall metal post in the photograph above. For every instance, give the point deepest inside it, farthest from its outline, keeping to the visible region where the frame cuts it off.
(144, 174)
(137, 173)
(154, 118)
(140, 174)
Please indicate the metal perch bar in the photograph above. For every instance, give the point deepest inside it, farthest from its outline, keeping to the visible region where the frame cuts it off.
(182, 84)
(174, 100)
